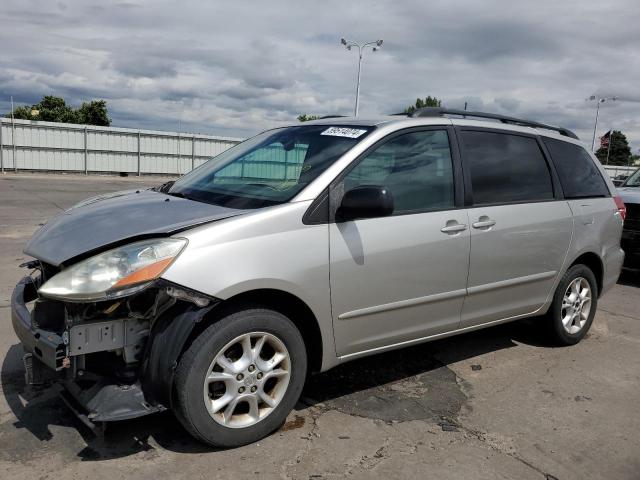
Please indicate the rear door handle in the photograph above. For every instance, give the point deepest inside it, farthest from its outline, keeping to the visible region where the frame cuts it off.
(453, 228)
(484, 222)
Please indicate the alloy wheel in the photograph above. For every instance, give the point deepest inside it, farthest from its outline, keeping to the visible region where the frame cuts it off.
(576, 305)
(247, 379)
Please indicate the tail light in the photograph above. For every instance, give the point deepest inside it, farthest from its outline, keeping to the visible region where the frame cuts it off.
(621, 207)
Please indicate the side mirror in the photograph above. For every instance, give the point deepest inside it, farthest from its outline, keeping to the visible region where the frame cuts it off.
(366, 201)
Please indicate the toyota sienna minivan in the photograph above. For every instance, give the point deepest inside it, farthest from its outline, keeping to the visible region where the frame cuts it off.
(216, 295)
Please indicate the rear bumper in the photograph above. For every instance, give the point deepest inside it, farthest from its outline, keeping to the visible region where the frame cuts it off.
(612, 262)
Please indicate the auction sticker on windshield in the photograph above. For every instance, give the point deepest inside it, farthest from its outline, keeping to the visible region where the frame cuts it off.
(343, 132)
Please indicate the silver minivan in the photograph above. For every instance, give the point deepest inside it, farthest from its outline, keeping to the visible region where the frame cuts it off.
(303, 247)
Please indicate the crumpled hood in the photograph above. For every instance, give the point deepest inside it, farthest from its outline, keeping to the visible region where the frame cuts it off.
(102, 221)
(629, 194)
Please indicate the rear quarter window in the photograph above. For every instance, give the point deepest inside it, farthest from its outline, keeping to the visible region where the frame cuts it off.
(579, 176)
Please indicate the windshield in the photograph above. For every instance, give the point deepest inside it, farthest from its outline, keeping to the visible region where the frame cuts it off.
(633, 180)
(270, 168)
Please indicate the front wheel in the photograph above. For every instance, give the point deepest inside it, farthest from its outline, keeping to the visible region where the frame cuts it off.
(574, 305)
(240, 378)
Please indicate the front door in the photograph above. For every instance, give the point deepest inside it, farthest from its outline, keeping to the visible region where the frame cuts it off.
(403, 277)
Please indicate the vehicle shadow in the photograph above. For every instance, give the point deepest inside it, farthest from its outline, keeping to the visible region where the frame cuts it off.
(46, 419)
(42, 413)
(371, 384)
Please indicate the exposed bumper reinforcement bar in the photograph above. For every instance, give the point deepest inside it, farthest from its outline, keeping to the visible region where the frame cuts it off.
(46, 346)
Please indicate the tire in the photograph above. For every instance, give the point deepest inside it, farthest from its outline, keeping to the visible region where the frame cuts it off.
(570, 332)
(248, 421)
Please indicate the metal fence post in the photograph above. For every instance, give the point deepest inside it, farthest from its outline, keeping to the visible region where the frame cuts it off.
(86, 167)
(178, 157)
(138, 152)
(193, 152)
(13, 142)
(286, 164)
(1, 148)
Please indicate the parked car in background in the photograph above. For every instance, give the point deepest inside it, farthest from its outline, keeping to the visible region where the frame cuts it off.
(629, 191)
(618, 180)
(311, 245)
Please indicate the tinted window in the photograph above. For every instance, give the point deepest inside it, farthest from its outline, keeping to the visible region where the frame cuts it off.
(415, 167)
(506, 168)
(578, 174)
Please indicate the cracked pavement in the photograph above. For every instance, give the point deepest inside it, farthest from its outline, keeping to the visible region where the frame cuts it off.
(498, 403)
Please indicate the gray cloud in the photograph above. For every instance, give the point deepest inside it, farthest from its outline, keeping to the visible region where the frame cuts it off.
(234, 68)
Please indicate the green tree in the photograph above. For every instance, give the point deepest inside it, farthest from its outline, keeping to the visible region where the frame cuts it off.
(429, 101)
(22, 112)
(307, 118)
(619, 153)
(55, 109)
(94, 113)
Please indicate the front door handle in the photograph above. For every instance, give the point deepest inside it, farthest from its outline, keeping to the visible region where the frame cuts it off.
(453, 227)
(484, 222)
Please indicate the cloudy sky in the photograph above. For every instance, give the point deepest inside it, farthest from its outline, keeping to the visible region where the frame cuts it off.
(235, 68)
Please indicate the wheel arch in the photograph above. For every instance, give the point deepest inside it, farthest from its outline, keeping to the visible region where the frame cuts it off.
(286, 303)
(595, 264)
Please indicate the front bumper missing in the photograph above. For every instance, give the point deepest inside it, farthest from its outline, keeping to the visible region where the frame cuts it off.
(47, 357)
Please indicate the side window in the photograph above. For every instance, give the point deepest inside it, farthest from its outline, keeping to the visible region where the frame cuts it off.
(415, 167)
(506, 168)
(579, 176)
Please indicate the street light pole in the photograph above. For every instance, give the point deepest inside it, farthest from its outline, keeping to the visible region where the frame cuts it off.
(595, 126)
(598, 100)
(609, 146)
(358, 83)
(375, 46)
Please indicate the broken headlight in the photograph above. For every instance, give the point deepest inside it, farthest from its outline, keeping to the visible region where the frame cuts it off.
(114, 273)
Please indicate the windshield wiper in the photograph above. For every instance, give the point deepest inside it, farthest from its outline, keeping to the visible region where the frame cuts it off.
(177, 194)
(164, 188)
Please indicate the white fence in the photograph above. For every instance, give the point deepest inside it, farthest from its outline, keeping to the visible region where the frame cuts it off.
(27, 145)
(614, 170)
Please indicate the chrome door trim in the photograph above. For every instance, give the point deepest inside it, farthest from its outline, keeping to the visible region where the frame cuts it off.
(437, 336)
(412, 302)
(511, 282)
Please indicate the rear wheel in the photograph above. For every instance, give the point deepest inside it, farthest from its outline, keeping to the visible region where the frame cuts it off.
(574, 305)
(240, 378)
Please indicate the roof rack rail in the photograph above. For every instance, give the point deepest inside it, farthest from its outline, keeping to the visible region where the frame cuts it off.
(440, 112)
(331, 116)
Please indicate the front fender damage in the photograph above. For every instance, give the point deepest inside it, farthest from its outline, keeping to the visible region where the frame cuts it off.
(166, 342)
(114, 360)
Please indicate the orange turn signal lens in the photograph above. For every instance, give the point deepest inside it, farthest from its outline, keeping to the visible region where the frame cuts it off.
(145, 273)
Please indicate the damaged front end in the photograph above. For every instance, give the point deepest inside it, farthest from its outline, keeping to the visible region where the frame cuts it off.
(112, 359)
